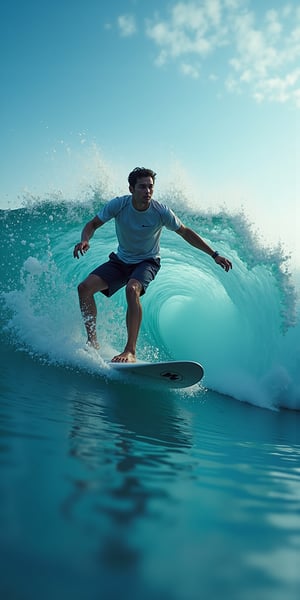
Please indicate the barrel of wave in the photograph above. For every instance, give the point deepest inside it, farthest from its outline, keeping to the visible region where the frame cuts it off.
(192, 317)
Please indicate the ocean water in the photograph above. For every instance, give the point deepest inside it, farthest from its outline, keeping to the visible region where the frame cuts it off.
(110, 489)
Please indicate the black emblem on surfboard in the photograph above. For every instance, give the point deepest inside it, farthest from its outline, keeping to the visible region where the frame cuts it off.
(172, 375)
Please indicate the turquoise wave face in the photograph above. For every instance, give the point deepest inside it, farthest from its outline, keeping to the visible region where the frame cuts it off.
(242, 326)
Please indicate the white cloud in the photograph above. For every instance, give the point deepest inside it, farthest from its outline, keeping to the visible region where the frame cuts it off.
(192, 29)
(274, 26)
(127, 25)
(261, 53)
(189, 70)
(281, 89)
(266, 56)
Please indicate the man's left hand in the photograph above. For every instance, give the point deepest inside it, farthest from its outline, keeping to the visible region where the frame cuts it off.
(223, 262)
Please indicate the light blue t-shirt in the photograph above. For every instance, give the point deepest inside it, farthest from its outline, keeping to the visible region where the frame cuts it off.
(138, 232)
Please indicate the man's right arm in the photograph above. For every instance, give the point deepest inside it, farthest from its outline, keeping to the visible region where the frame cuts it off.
(86, 234)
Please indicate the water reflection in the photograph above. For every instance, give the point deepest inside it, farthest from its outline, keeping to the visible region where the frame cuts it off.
(151, 495)
(137, 436)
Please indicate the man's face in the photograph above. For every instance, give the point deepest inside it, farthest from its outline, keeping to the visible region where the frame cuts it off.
(142, 192)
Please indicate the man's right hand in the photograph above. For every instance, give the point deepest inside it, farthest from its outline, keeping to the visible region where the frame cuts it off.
(80, 248)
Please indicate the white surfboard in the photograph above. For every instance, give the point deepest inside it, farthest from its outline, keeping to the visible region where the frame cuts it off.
(172, 374)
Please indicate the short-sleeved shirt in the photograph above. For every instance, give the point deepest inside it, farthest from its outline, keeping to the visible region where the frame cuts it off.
(138, 232)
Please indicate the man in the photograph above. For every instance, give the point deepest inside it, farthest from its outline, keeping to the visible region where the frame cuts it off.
(139, 221)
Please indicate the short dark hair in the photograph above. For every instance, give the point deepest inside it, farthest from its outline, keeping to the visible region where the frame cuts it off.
(139, 172)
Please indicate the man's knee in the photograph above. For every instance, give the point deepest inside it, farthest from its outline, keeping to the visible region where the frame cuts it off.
(91, 285)
(80, 288)
(133, 288)
(83, 289)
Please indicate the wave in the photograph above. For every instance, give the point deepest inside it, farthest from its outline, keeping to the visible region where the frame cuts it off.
(243, 326)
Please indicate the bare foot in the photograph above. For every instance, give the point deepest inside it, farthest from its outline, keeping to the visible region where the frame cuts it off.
(125, 357)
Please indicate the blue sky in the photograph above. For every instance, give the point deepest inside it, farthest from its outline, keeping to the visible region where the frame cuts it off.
(206, 92)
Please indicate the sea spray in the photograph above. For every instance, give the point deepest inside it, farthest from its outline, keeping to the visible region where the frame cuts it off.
(243, 326)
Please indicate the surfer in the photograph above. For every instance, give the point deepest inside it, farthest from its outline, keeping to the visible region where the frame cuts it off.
(139, 220)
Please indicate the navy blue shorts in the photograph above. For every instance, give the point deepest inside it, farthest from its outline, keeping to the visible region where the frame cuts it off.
(116, 273)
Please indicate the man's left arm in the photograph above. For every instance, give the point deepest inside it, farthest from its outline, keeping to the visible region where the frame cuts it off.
(192, 238)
